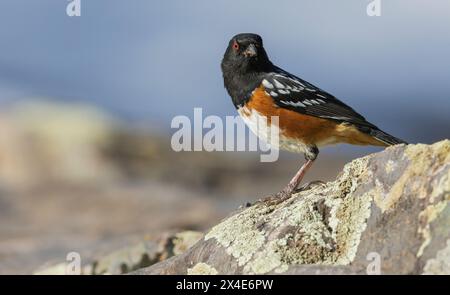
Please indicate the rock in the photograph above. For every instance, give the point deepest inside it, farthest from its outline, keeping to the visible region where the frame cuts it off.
(386, 213)
(57, 269)
(147, 252)
(61, 139)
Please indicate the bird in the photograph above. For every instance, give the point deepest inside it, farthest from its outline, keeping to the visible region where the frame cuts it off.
(308, 117)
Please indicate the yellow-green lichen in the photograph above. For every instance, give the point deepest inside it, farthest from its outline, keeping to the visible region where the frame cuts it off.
(441, 186)
(265, 260)
(349, 217)
(238, 234)
(421, 158)
(427, 216)
(352, 217)
(184, 240)
(202, 269)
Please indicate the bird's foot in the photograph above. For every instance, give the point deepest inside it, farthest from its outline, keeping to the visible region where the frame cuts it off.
(309, 185)
(287, 192)
(277, 198)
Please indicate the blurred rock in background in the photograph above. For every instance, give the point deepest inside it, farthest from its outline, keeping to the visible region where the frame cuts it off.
(41, 142)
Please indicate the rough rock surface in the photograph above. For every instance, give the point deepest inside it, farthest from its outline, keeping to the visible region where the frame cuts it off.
(147, 252)
(386, 213)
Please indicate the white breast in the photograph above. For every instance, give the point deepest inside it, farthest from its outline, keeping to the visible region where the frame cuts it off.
(261, 126)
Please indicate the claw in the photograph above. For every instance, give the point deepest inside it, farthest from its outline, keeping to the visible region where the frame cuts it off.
(286, 193)
(277, 198)
(308, 185)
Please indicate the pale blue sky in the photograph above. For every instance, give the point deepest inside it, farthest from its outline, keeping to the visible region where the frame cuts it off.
(151, 60)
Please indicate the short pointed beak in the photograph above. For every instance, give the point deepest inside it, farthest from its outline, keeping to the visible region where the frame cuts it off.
(251, 51)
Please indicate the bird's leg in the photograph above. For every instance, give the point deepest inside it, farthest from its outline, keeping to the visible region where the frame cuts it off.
(311, 153)
(286, 193)
(295, 181)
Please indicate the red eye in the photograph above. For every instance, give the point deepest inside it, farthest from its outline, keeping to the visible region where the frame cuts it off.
(235, 45)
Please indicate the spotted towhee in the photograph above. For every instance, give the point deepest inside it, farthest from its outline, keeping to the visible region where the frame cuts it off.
(308, 117)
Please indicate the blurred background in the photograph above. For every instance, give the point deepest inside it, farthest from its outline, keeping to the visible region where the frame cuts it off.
(86, 104)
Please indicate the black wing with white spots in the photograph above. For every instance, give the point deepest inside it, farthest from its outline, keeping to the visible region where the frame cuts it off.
(291, 92)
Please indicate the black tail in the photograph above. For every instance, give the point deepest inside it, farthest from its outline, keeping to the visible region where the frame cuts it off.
(385, 138)
(380, 135)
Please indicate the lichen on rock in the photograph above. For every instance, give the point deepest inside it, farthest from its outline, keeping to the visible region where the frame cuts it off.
(318, 227)
(440, 264)
(202, 269)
